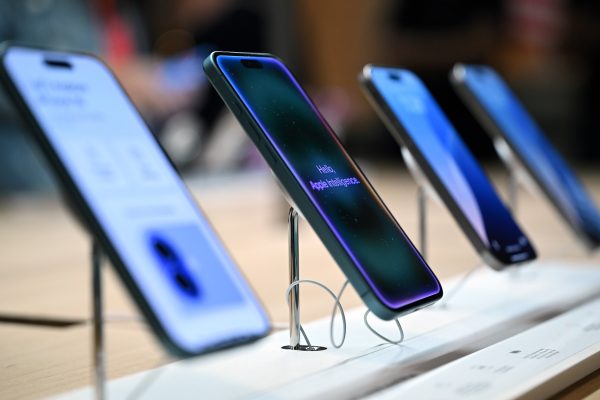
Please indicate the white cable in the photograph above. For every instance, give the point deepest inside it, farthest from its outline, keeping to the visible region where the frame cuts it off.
(367, 322)
(337, 305)
(380, 335)
(333, 313)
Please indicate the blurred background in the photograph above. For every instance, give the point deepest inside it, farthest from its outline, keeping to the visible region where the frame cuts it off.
(549, 51)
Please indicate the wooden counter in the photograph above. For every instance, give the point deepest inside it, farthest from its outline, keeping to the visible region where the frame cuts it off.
(45, 274)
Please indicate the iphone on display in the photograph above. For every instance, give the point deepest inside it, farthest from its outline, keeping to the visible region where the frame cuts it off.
(324, 182)
(506, 120)
(131, 199)
(418, 123)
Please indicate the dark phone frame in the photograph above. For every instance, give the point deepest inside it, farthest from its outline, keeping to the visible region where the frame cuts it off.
(403, 138)
(82, 212)
(496, 132)
(300, 197)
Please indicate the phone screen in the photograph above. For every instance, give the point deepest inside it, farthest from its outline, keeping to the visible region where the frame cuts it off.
(441, 148)
(168, 248)
(343, 197)
(541, 158)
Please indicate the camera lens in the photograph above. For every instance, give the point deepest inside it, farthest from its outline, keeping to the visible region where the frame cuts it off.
(249, 63)
(163, 249)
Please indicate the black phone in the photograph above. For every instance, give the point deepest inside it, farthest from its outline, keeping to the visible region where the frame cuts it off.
(418, 123)
(132, 201)
(324, 182)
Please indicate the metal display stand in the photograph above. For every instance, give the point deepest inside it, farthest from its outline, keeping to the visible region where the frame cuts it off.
(294, 297)
(424, 191)
(422, 206)
(516, 172)
(98, 323)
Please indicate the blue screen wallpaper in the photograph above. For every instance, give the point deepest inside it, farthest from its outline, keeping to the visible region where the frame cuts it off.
(427, 128)
(536, 151)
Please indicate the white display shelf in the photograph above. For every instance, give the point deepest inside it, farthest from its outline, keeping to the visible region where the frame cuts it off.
(490, 308)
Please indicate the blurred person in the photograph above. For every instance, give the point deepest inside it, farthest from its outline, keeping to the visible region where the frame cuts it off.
(114, 30)
(66, 24)
(535, 32)
(202, 134)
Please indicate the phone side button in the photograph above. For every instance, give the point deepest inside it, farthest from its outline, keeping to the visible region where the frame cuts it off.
(269, 155)
(238, 108)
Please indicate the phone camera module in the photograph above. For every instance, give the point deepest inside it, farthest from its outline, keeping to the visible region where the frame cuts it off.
(174, 266)
(58, 63)
(251, 63)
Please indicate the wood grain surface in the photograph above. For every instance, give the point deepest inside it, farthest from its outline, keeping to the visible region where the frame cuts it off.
(45, 274)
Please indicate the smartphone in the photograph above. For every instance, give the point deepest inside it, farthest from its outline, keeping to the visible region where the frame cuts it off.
(324, 183)
(505, 119)
(419, 125)
(131, 199)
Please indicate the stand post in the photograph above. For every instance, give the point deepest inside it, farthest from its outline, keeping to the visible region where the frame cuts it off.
(294, 300)
(506, 154)
(294, 264)
(513, 201)
(422, 189)
(98, 349)
(422, 205)
(513, 190)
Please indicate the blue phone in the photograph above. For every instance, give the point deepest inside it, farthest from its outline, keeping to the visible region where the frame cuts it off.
(132, 200)
(503, 116)
(418, 123)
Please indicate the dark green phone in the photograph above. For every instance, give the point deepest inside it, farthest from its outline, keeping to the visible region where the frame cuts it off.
(325, 184)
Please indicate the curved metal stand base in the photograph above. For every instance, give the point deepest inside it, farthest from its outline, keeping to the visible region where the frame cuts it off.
(302, 347)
